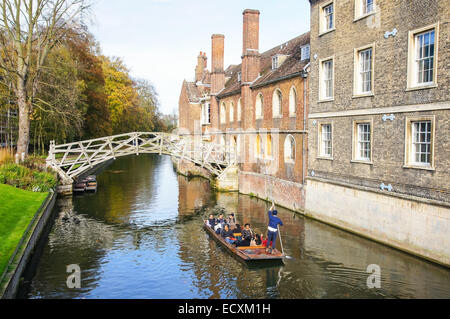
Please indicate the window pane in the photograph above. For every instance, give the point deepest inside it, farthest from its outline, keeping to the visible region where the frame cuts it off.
(363, 142)
(421, 142)
(425, 56)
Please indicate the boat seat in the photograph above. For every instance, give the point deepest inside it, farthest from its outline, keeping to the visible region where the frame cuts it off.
(252, 247)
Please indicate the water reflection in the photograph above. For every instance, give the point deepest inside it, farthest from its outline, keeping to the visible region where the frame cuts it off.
(141, 236)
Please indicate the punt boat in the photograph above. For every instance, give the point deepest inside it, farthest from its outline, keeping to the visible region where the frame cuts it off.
(246, 254)
(91, 183)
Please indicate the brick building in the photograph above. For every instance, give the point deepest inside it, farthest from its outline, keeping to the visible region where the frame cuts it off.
(257, 108)
(379, 149)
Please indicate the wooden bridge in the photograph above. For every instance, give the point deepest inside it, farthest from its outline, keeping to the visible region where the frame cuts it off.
(73, 159)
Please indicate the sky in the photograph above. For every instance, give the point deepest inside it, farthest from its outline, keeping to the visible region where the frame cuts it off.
(159, 40)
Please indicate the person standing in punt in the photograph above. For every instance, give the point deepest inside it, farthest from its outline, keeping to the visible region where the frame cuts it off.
(274, 222)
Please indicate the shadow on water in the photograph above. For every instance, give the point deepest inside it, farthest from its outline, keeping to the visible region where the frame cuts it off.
(141, 236)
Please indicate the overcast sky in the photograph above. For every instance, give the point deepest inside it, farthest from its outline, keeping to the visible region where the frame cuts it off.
(160, 40)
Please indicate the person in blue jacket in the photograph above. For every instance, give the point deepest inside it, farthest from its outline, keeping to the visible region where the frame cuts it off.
(274, 221)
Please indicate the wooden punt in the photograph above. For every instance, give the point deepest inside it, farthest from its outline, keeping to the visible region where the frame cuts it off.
(246, 254)
(91, 183)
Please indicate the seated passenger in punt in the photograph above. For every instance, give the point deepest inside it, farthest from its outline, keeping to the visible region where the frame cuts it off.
(231, 221)
(227, 234)
(220, 223)
(211, 222)
(247, 237)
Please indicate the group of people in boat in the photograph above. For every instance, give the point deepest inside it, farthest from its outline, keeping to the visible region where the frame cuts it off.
(235, 235)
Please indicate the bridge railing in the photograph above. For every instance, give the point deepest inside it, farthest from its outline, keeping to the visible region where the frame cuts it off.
(72, 159)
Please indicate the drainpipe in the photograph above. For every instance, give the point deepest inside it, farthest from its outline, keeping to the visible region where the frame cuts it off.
(305, 76)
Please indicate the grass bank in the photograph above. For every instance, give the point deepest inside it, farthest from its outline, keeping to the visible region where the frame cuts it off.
(17, 208)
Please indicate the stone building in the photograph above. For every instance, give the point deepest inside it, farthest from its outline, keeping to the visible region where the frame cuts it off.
(257, 109)
(379, 110)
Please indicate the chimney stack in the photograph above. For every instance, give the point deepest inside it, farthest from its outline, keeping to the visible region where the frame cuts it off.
(217, 68)
(202, 61)
(250, 51)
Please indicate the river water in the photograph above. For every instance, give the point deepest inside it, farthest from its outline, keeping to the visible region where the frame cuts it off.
(141, 236)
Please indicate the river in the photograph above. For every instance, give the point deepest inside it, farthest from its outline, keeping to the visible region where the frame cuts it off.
(141, 236)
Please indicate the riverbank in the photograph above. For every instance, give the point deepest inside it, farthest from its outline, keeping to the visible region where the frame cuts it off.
(16, 212)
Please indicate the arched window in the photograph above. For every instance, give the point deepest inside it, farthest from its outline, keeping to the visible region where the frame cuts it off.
(259, 146)
(232, 112)
(239, 110)
(259, 106)
(269, 145)
(223, 113)
(277, 103)
(289, 149)
(292, 101)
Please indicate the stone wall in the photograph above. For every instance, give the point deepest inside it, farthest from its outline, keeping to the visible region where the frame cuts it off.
(406, 224)
(287, 194)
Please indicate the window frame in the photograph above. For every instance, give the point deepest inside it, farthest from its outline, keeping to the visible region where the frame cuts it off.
(259, 147)
(357, 92)
(358, 10)
(275, 62)
(239, 110)
(412, 83)
(289, 159)
(322, 29)
(223, 113)
(355, 143)
(261, 97)
(320, 155)
(321, 79)
(206, 113)
(279, 95)
(302, 58)
(231, 115)
(295, 102)
(409, 149)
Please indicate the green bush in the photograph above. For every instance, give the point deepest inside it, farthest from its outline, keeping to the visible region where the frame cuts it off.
(24, 178)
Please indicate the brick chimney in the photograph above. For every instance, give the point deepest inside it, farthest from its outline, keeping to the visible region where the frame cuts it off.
(250, 50)
(217, 68)
(217, 77)
(202, 61)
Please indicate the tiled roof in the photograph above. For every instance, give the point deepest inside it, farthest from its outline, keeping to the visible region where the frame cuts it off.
(291, 66)
(195, 92)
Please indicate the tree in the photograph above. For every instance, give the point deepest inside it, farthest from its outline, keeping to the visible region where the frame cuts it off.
(30, 29)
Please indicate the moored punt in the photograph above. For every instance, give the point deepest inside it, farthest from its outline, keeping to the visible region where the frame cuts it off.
(91, 183)
(80, 187)
(246, 254)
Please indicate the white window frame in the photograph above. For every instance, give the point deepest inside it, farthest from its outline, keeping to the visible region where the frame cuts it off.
(322, 87)
(239, 110)
(292, 147)
(409, 142)
(223, 113)
(275, 62)
(206, 114)
(262, 151)
(304, 55)
(356, 158)
(259, 110)
(293, 101)
(323, 27)
(277, 104)
(232, 112)
(359, 9)
(412, 82)
(357, 81)
(320, 150)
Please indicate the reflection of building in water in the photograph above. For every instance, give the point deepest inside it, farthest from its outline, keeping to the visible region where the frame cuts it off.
(229, 201)
(193, 193)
